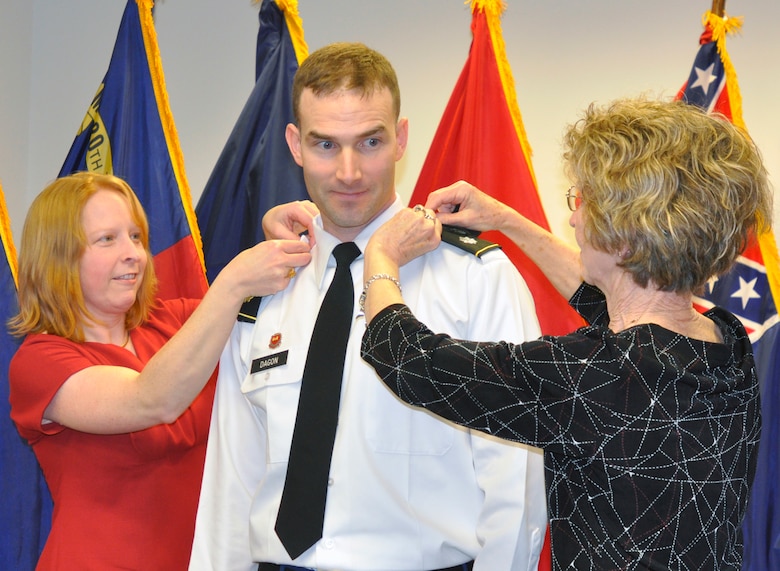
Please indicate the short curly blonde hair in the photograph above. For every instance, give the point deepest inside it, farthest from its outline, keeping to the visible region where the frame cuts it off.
(676, 191)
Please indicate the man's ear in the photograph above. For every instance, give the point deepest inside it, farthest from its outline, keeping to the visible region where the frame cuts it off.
(401, 137)
(293, 137)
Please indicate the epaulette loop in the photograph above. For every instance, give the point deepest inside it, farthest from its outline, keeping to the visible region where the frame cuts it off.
(249, 309)
(466, 239)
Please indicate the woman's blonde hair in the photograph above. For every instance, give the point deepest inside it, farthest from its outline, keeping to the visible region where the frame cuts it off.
(53, 240)
(677, 192)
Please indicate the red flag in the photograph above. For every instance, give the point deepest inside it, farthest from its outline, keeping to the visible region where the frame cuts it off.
(751, 291)
(481, 139)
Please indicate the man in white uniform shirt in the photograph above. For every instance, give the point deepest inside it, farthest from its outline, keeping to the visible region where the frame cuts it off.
(406, 492)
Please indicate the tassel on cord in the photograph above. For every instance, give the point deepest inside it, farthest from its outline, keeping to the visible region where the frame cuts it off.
(493, 9)
(166, 117)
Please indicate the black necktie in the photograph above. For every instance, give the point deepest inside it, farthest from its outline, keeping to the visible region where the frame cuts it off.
(302, 510)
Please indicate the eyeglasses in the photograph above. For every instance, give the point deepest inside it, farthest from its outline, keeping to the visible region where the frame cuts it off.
(573, 198)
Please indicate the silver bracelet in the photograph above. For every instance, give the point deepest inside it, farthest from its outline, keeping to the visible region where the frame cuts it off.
(371, 280)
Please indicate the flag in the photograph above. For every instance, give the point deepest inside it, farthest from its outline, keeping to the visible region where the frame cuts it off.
(25, 515)
(255, 170)
(751, 291)
(481, 139)
(128, 131)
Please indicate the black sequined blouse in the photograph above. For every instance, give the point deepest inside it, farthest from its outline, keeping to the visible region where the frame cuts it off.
(650, 437)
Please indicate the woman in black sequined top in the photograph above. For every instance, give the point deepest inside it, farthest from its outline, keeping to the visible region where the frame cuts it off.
(649, 415)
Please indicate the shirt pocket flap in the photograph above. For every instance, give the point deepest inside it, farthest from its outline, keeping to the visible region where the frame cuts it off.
(273, 385)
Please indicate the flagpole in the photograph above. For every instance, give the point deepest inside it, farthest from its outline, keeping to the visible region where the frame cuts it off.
(718, 7)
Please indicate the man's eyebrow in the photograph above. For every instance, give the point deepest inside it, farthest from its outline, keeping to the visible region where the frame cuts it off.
(378, 130)
(370, 132)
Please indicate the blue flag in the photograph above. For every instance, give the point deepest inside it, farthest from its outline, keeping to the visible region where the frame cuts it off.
(128, 131)
(26, 507)
(255, 170)
(751, 291)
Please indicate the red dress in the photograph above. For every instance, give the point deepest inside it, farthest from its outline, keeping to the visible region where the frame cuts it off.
(124, 501)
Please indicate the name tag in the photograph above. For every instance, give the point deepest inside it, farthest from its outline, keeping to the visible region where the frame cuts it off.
(269, 362)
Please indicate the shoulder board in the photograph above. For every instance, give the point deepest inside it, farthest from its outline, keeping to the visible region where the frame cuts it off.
(248, 311)
(466, 239)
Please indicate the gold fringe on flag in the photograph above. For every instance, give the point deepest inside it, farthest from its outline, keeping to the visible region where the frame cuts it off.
(493, 9)
(5, 235)
(768, 246)
(721, 27)
(169, 128)
(293, 19)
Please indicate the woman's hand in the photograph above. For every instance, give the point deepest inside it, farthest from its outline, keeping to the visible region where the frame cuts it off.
(559, 261)
(267, 267)
(462, 204)
(409, 234)
(287, 221)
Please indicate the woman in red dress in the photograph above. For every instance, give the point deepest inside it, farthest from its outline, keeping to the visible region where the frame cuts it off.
(112, 387)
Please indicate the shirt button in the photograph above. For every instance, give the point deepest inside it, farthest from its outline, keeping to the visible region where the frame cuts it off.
(328, 543)
(330, 481)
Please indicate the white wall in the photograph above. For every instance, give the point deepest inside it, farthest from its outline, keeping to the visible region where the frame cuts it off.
(563, 53)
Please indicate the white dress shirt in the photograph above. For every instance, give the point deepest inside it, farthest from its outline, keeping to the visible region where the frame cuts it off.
(407, 491)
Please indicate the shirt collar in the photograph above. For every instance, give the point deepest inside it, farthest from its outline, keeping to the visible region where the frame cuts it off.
(321, 257)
